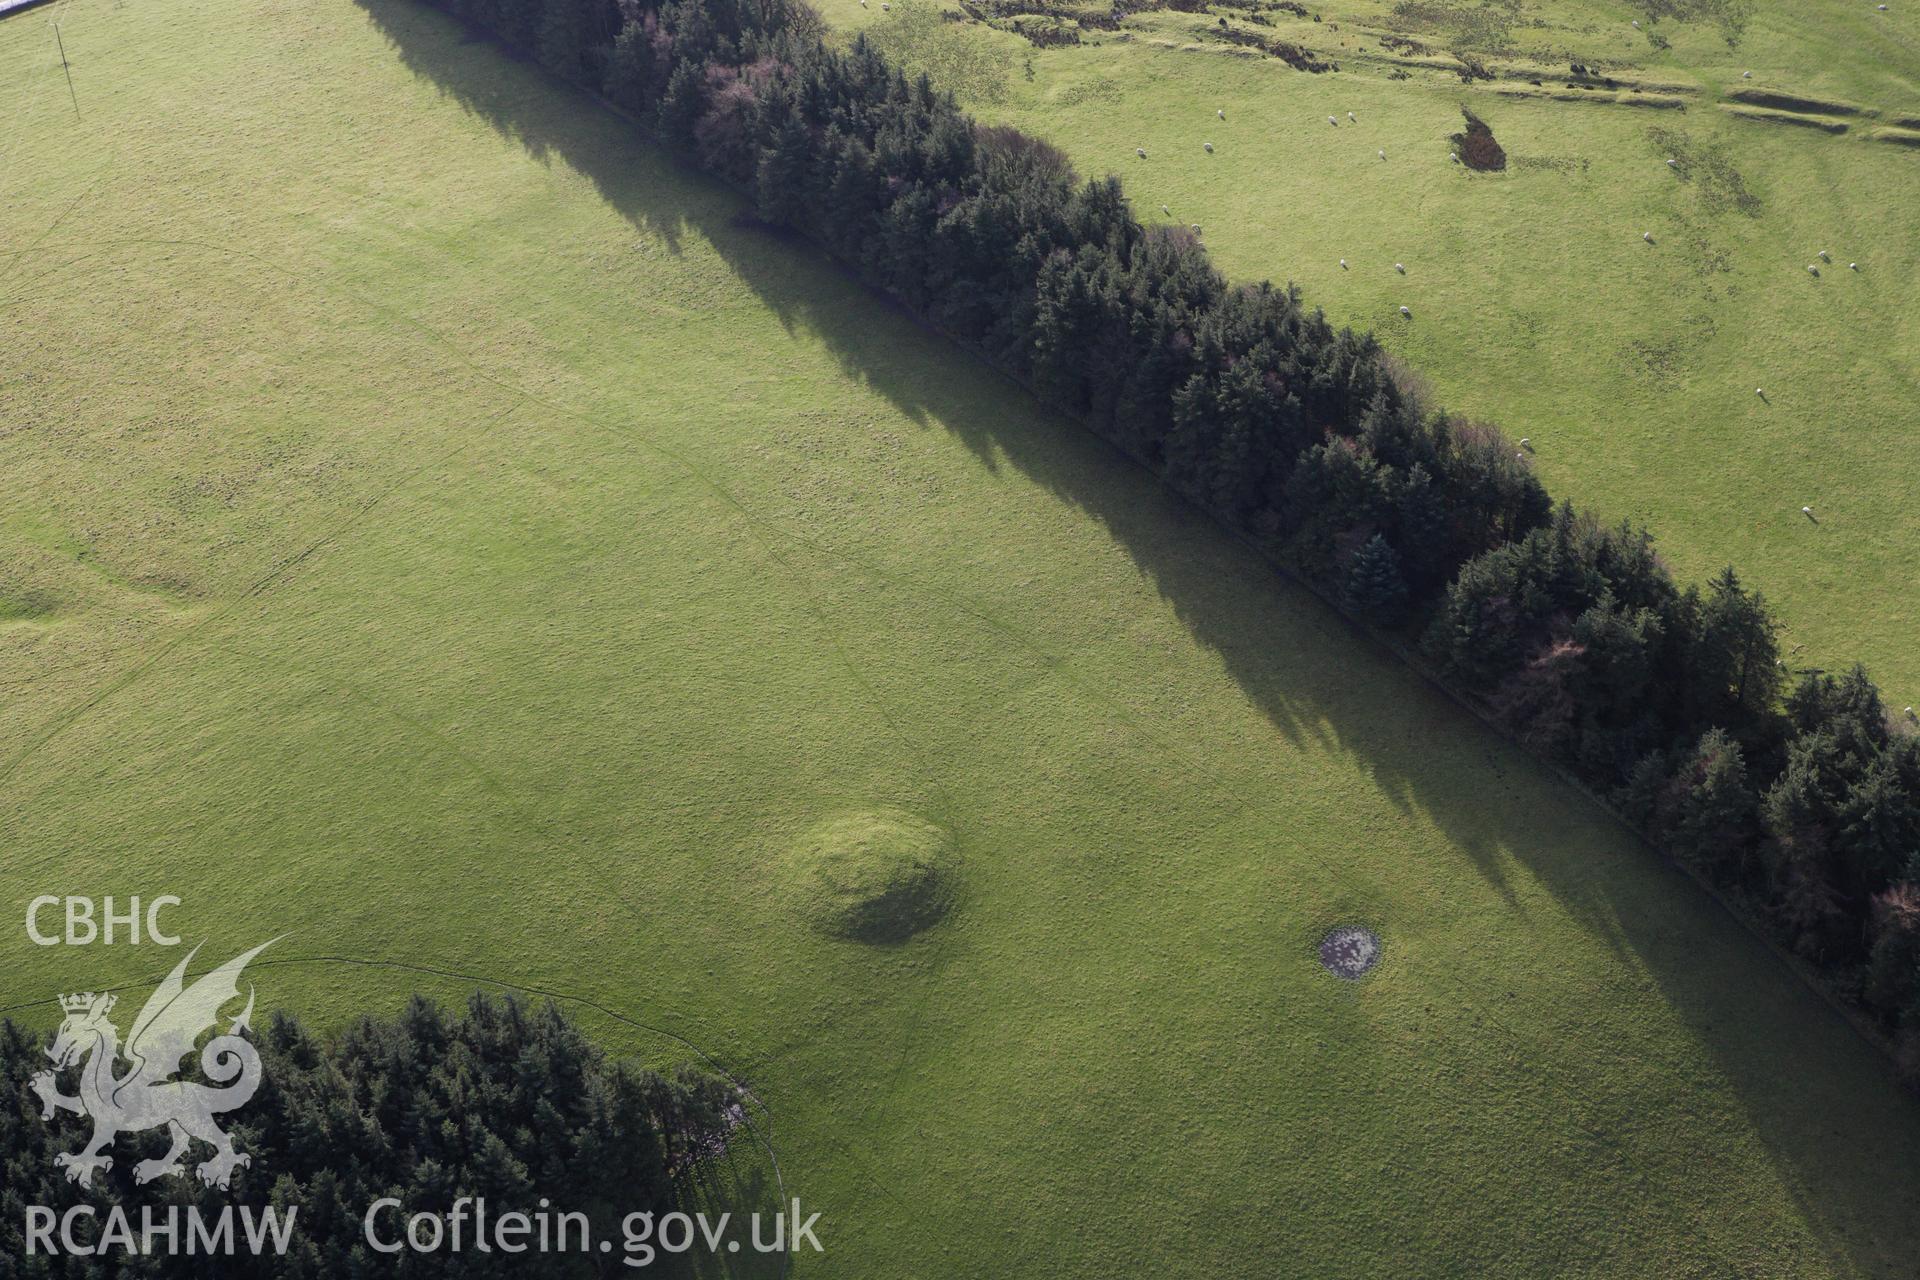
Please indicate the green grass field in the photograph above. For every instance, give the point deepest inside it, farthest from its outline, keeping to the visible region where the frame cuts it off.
(439, 530)
(1536, 303)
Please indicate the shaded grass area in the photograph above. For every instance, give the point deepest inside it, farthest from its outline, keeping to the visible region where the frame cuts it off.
(1532, 291)
(480, 550)
(1794, 102)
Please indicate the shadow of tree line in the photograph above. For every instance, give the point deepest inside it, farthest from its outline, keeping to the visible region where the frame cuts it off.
(1268, 633)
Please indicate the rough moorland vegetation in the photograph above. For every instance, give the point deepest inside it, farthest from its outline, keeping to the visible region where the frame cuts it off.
(1804, 803)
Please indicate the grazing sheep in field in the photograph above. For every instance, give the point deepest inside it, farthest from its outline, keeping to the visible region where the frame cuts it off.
(1353, 117)
(1333, 122)
(1812, 270)
(1853, 266)
(1141, 152)
(1746, 75)
(1166, 211)
(1525, 443)
(1196, 228)
(1383, 155)
(1221, 114)
(1401, 267)
(1208, 146)
(1824, 256)
(1807, 512)
(1912, 714)
(1407, 313)
(1647, 236)
(1673, 164)
(1343, 264)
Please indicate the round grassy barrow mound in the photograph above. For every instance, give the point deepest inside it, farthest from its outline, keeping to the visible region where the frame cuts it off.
(876, 877)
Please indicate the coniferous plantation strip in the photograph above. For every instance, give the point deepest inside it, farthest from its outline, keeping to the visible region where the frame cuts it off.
(504, 1101)
(1800, 803)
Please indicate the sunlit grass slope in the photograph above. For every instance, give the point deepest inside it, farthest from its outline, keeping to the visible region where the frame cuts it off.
(437, 530)
(1536, 302)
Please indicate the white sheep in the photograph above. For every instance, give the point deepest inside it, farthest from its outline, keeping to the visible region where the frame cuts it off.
(1746, 75)
(1221, 113)
(1647, 236)
(1673, 164)
(1853, 266)
(1343, 264)
(1383, 154)
(1208, 146)
(1454, 156)
(1812, 270)
(1405, 312)
(1141, 152)
(1166, 211)
(1807, 511)
(1912, 714)
(1401, 267)
(1761, 392)
(1196, 228)
(1825, 256)
(1525, 443)
(1353, 117)
(1333, 122)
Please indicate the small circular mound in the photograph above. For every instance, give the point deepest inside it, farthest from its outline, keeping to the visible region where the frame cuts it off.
(876, 877)
(1350, 951)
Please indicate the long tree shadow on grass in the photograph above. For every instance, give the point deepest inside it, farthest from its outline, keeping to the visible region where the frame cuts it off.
(1312, 675)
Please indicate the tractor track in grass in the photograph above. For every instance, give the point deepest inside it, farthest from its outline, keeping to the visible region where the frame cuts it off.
(348, 690)
(764, 528)
(20, 255)
(769, 533)
(66, 719)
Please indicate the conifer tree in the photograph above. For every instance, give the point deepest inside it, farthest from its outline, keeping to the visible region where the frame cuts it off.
(502, 1101)
(1376, 590)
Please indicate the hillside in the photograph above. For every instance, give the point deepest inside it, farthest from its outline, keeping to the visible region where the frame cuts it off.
(1630, 367)
(444, 532)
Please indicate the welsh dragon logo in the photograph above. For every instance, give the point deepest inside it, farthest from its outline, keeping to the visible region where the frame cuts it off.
(145, 1096)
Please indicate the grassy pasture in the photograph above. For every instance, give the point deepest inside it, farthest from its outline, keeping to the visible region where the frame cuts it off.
(1536, 303)
(439, 530)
